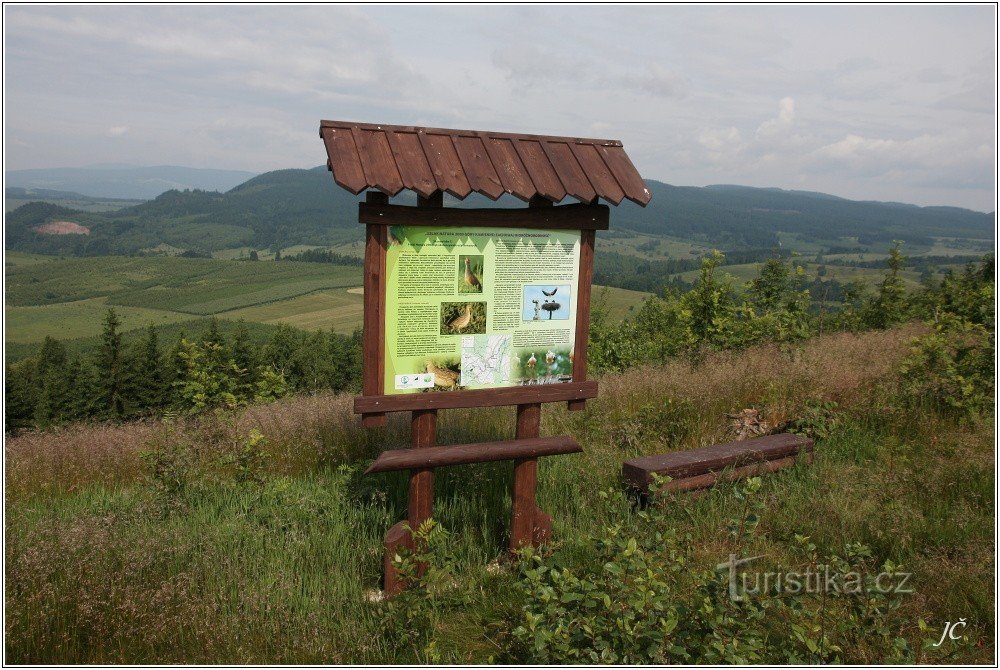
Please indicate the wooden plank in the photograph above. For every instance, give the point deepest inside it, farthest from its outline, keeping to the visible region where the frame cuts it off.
(522, 524)
(683, 464)
(479, 452)
(344, 161)
(572, 176)
(564, 217)
(625, 174)
(373, 321)
(543, 175)
(597, 172)
(496, 397)
(483, 177)
(583, 313)
(513, 175)
(445, 164)
(733, 474)
(377, 161)
(423, 436)
(414, 170)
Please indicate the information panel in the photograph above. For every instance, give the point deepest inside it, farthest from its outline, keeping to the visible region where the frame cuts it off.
(470, 308)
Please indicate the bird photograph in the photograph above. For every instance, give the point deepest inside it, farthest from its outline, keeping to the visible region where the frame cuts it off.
(543, 366)
(470, 274)
(463, 318)
(446, 376)
(545, 302)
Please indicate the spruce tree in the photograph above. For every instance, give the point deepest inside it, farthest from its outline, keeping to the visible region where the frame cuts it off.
(111, 368)
(150, 380)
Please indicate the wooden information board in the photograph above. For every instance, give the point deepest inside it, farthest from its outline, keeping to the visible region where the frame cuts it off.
(475, 307)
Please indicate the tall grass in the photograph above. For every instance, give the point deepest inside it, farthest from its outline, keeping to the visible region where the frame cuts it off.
(277, 558)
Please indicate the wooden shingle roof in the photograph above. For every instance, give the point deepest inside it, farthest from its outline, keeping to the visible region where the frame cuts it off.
(425, 160)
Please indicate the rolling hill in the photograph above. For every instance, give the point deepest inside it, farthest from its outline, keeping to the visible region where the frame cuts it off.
(303, 207)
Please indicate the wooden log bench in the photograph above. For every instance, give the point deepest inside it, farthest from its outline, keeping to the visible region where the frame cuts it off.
(702, 468)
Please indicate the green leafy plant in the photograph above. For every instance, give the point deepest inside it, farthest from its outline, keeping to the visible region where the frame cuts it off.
(817, 421)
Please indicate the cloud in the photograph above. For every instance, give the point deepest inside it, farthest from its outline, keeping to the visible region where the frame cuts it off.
(656, 80)
(874, 102)
(779, 124)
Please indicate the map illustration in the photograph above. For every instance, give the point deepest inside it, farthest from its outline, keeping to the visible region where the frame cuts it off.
(486, 360)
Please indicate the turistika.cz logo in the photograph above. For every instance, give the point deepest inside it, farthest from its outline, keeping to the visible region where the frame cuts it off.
(814, 579)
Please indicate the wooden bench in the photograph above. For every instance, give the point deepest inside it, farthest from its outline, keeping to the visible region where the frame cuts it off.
(701, 468)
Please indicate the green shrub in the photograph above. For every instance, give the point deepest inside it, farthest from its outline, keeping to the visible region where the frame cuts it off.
(641, 596)
(952, 369)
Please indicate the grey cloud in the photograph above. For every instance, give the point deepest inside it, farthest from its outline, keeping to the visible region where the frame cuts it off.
(694, 92)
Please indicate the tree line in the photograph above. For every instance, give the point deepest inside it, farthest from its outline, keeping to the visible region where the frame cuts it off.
(118, 382)
(783, 304)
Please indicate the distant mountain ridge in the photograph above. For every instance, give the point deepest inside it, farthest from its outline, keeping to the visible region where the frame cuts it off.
(298, 206)
(127, 182)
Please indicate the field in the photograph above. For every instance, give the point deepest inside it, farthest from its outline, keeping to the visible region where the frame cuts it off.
(81, 318)
(67, 298)
(340, 309)
(171, 542)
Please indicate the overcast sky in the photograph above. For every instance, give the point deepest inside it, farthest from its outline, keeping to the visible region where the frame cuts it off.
(888, 103)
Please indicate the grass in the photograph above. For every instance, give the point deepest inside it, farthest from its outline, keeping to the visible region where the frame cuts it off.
(340, 309)
(109, 564)
(82, 318)
(619, 301)
(66, 297)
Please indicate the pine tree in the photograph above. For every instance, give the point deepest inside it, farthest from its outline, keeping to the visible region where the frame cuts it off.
(111, 367)
(889, 306)
(150, 373)
(710, 303)
(20, 395)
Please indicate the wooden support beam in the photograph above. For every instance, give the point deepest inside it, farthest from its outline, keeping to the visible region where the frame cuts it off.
(583, 314)
(497, 397)
(373, 342)
(423, 436)
(522, 524)
(482, 452)
(563, 217)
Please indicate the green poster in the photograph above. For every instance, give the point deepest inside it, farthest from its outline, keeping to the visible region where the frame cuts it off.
(471, 308)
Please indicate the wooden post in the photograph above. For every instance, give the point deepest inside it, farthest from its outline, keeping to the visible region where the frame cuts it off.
(522, 524)
(423, 433)
(373, 342)
(583, 313)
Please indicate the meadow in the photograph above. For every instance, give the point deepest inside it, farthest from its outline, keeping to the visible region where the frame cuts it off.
(254, 538)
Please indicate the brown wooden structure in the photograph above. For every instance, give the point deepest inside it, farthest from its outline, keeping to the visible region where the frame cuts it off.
(540, 170)
(701, 468)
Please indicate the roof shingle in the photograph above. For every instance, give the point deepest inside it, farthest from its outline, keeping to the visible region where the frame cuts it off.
(390, 158)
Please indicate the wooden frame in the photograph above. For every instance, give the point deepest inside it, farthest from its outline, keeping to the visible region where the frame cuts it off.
(377, 214)
(529, 524)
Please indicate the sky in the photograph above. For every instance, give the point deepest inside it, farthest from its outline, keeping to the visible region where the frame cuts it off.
(874, 103)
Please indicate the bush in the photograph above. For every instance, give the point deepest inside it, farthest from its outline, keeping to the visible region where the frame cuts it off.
(641, 597)
(952, 369)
